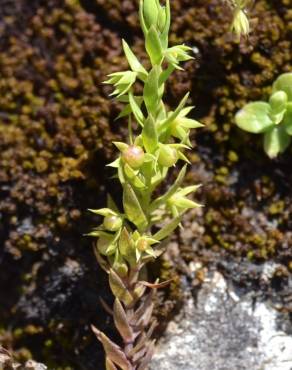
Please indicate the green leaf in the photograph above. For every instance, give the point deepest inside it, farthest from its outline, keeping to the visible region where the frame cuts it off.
(133, 61)
(120, 145)
(167, 229)
(254, 117)
(185, 203)
(115, 163)
(287, 120)
(173, 115)
(166, 73)
(153, 46)
(126, 246)
(171, 191)
(150, 92)
(164, 34)
(134, 177)
(284, 83)
(133, 207)
(103, 212)
(149, 135)
(119, 289)
(141, 18)
(189, 189)
(125, 112)
(276, 141)
(127, 109)
(278, 102)
(136, 109)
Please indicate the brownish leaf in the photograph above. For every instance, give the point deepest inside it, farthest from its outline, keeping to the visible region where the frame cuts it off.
(106, 306)
(112, 350)
(138, 355)
(143, 339)
(156, 285)
(139, 291)
(147, 358)
(119, 289)
(121, 322)
(147, 305)
(102, 262)
(109, 365)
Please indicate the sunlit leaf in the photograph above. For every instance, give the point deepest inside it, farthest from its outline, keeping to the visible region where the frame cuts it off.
(276, 141)
(284, 83)
(254, 117)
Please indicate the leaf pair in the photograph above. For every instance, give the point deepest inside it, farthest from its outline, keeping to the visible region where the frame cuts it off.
(273, 119)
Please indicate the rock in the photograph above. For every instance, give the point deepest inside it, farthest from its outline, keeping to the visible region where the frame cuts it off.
(220, 330)
(7, 362)
(32, 365)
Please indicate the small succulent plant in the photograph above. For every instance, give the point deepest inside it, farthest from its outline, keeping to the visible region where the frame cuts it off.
(128, 238)
(273, 119)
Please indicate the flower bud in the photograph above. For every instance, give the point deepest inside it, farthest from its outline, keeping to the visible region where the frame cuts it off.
(240, 23)
(142, 244)
(105, 246)
(120, 265)
(112, 223)
(134, 156)
(161, 19)
(167, 156)
(150, 12)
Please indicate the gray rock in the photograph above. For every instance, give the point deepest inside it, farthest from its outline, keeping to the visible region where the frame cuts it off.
(222, 331)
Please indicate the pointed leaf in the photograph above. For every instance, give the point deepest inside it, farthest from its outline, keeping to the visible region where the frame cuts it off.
(115, 163)
(167, 229)
(112, 350)
(133, 207)
(153, 46)
(120, 145)
(156, 285)
(147, 304)
(189, 189)
(101, 261)
(126, 246)
(172, 116)
(103, 212)
(150, 92)
(119, 289)
(149, 135)
(164, 34)
(136, 109)
(109, 365)
(143, 339)
(254, 117)
(133, 61)
(148, 357)
(121, 322)
(171, 191)
(185, 203)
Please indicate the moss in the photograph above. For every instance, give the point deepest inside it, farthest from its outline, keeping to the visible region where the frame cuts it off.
(56, 128)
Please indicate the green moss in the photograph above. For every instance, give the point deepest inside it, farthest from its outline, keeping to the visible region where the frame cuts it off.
(56, 117)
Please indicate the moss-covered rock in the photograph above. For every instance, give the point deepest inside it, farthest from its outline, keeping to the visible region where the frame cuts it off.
(56, 128)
